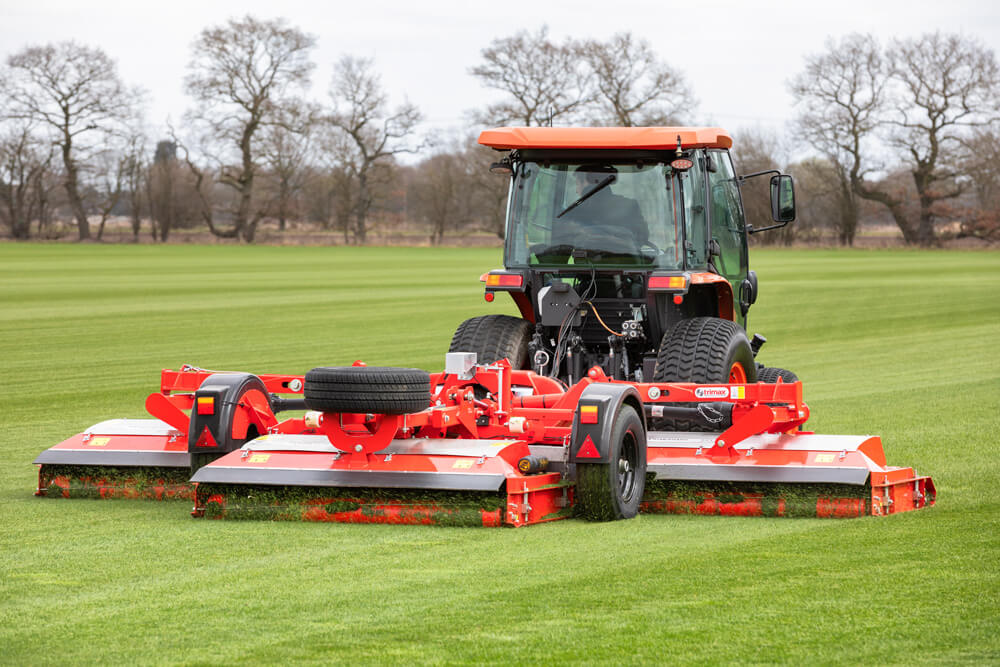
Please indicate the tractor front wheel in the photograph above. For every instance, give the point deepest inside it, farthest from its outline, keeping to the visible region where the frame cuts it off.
(612, 490)
(771, 374)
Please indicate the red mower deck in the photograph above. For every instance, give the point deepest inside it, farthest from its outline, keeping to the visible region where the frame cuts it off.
(492, 447)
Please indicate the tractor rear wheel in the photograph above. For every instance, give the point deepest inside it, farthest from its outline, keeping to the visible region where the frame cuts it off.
(494, 337)
(770, 375)
(613, 490)
(367, 389)
(705, 350)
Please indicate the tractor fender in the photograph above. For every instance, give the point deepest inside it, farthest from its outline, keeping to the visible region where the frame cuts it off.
(607, 398)
(227, 405)
(720, 288)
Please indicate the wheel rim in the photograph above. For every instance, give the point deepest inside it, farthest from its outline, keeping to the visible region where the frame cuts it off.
(628, 461)
(737, 374)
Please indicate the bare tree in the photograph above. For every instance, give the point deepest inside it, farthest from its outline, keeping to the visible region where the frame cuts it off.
(946, 84)
(241, 73)
(285, 147)
(634, 87)
(489, 190)
(24, 163)
(108, 186)
(135, 172)
(439, 194)
(542, 81)
(818, 192)
(366, 133)
(920, 98)
(842, 98)
(75, 92)
(171, 195)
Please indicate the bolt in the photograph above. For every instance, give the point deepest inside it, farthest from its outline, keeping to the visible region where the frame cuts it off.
(358, 448)
(722, 443)
(654, 393)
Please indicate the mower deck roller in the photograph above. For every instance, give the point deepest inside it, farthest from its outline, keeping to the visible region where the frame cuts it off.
(491, 446)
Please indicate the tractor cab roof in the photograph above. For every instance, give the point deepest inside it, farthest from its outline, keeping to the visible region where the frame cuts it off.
(610, 138)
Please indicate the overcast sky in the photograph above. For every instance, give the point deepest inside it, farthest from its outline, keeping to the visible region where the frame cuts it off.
(737, 56)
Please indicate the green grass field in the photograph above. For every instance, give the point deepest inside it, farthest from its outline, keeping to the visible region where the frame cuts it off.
(897, 343)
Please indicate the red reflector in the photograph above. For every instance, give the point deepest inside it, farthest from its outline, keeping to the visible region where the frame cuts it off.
(488, 296)
(588, 414)
(206, 405)
(206, 439)
(588, 450)
(667, 282)
(504, 280)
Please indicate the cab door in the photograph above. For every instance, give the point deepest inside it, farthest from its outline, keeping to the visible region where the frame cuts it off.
(727, 223)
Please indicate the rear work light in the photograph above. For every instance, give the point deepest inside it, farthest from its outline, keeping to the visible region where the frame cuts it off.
(667, 282)
(504, 280)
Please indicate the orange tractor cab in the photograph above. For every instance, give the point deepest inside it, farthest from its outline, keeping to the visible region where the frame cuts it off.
(626, 249)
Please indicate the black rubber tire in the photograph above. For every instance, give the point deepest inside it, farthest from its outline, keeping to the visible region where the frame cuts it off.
(702, 350)
(770, 375)
(367, 389)
(607, 491)
(494, 337)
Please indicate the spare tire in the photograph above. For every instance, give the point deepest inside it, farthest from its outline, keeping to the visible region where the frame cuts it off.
(367, 389)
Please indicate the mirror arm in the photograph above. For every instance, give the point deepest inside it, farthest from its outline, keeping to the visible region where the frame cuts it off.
(754, 230)
(746, 177)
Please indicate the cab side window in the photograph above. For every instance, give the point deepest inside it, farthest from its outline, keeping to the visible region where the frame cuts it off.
(727, 216)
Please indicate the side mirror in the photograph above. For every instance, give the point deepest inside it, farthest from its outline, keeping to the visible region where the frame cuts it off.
(782, 198)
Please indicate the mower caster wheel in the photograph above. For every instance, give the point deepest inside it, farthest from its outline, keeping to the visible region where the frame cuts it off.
(494, 337)
(613, 490)
(770, 375)
(367, 389)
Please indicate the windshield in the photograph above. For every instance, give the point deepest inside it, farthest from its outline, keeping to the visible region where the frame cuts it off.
(591, 213)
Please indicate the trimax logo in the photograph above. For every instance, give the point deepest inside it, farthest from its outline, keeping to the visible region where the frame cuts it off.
(711, 392)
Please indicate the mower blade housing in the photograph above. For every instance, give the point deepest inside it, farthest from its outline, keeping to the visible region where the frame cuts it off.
(779, 474)
(411, 481)
(118, 458)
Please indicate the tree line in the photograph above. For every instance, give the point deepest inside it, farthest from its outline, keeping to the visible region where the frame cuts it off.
(908, 128)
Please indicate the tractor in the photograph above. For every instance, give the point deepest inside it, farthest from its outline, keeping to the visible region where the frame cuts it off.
(626, 249)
